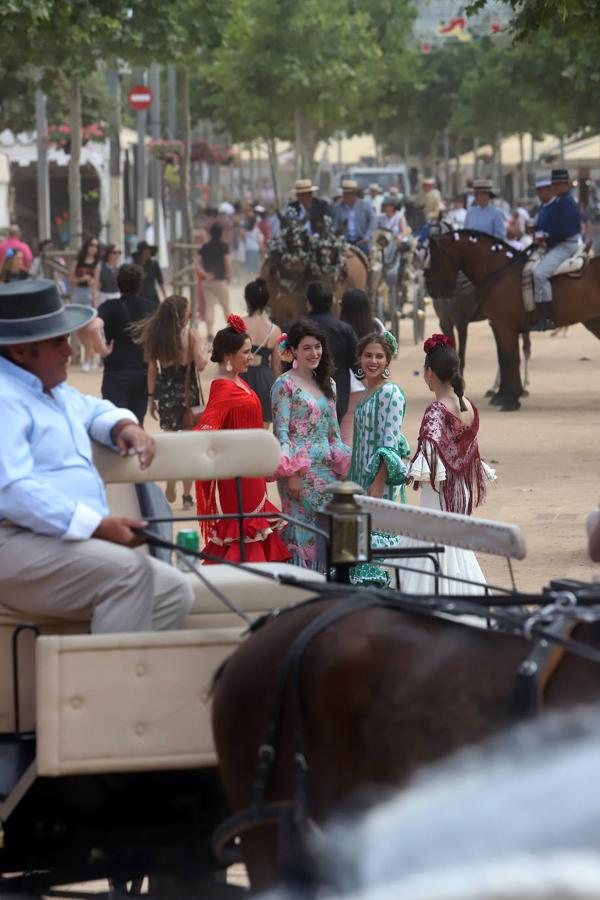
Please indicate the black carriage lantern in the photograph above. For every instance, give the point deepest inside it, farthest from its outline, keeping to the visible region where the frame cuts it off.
(349, 529)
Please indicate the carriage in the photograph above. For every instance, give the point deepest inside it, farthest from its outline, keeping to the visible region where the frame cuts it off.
(107, 756)
(397, 284)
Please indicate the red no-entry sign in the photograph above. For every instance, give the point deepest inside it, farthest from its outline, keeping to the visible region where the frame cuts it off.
(140, 97)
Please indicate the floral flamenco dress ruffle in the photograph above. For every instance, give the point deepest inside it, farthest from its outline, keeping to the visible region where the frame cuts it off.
(312, 448)
(451, 476)
(378, 439)
(231, 407)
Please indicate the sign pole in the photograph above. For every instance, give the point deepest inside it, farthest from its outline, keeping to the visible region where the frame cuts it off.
(140, 160)
(156, 169)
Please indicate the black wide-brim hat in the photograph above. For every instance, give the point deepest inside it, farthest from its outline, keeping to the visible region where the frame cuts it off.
(33, 311)
(560, 176)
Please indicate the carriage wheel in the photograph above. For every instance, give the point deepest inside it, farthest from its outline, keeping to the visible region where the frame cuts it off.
(418, 310)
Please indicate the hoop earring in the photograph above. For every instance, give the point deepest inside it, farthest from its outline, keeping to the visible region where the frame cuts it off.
(228, 366)
(360, 374)
(386, 372)
(295, 363)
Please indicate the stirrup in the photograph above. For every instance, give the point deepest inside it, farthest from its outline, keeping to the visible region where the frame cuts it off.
(543, 324)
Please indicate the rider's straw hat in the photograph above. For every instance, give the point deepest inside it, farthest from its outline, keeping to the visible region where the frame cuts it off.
(560, 176)
(305, 186)
(349, 184)
(374, 187)
(543, 180)
(484, 184)
(33, 311)
(428, 181)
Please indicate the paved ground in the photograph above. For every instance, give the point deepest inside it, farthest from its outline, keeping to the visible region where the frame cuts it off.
(547, 455)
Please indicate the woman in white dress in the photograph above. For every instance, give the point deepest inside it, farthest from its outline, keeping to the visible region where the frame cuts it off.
(447, 468)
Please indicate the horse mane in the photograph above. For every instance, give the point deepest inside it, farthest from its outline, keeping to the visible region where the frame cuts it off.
(504, 245)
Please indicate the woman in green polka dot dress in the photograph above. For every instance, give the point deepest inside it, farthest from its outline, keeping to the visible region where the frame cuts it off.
(379, 446)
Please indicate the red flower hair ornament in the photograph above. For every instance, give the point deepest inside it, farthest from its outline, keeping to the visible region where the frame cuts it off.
(237, 323)
(437, 340)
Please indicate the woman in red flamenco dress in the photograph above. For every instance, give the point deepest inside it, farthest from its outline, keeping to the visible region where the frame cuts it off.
(232, 405)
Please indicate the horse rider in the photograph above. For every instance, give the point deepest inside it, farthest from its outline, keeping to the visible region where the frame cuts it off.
(391, 219)
(311, 210)
(375, 198)
(62, 553)
(481, 215)
(560, 235)
(429, 201)
(354, 218)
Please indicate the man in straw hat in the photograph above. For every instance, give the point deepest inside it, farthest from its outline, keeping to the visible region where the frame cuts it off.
(559, 235)
(62, 554)
(311, 210)
(482, 216)
(354, 218)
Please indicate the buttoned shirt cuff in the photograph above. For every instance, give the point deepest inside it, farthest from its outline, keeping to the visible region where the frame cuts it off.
(83, 524)
(103, 424)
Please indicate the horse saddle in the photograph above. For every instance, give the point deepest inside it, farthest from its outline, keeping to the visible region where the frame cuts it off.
(573, 266)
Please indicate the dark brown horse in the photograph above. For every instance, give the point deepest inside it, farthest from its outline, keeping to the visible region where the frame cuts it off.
(382, 693)
(495, 269)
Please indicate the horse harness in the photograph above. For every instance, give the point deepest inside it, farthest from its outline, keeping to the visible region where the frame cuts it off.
(549, 628)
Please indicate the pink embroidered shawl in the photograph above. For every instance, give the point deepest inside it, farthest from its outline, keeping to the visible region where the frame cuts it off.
(444, 436)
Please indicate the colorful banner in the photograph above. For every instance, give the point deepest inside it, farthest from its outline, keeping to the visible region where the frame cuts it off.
(442, 21)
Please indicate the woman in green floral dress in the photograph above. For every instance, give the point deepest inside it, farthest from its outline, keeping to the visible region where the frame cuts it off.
(379, 446)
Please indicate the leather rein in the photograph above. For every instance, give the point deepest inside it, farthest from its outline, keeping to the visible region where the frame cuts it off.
(548, 628)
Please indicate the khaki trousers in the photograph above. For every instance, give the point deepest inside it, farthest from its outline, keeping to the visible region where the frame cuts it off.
(217, 292)
(117, 588)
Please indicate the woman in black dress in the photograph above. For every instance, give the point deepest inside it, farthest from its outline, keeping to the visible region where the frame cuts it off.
(264, 334)
(171, 347)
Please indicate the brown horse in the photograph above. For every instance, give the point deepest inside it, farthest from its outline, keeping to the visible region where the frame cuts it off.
(495, 269)
(382, 692)
(287, 284)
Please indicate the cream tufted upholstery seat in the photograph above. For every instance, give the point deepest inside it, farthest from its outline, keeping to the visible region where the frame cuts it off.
(138, 701)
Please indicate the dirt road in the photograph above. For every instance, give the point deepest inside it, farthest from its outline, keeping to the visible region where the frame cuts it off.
(547, 455)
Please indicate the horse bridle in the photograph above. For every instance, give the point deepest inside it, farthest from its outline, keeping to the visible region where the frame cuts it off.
(491, 277)
(549, 627)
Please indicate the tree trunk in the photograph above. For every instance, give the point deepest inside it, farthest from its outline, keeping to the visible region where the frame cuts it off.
(434, 152)
(76, 226)
(298, 142)
(273, 164)
(498, 162)
(185, 167)
(522, 167)
(115, 215)
(43, 181)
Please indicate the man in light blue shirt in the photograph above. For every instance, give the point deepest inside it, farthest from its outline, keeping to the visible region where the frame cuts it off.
(354, 218)
(481, 216)
(62, 553)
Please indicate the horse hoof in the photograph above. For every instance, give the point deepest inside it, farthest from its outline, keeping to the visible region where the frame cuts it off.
(525, 393)
(510, 406)
(490, 393)
(496, 400)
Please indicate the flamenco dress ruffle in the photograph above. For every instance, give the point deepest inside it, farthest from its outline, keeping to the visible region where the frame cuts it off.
(232, 407)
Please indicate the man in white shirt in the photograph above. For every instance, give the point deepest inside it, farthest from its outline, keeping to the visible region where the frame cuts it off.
(62, 553)
(482, 216)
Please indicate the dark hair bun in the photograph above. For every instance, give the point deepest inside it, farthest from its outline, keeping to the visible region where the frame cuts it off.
(256, 294)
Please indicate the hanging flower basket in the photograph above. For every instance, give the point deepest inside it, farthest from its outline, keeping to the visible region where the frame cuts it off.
(166, 151)
(59, 136)
(212, 154)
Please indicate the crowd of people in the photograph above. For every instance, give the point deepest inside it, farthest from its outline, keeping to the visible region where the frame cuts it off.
(327, 373)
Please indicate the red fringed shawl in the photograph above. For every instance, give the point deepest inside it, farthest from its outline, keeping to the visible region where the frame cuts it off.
(444, 436)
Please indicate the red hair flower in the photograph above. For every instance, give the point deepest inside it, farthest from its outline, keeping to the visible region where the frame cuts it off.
(437, 340)
(237, 323)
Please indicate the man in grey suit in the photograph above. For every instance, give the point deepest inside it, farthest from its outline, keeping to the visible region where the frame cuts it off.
(354, 218)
